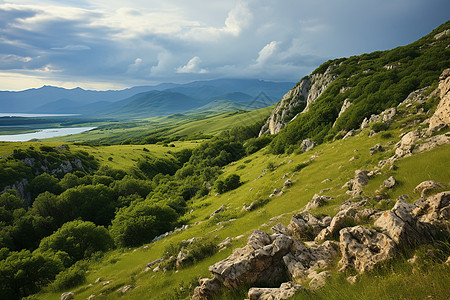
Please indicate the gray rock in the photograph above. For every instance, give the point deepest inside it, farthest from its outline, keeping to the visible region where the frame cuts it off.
(389, 183)
(285, 291)
(207, 289)
(343, 218)
(426, 187)
(125, 289)
(67, 296)
(363, 248)
(306, 226)
(355, 184)
(318, 280)
(307, 145)
(375, 149)
(352, 279)
(317, 201)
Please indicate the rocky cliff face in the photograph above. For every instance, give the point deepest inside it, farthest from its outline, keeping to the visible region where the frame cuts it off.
(441, 117)
(298, 100)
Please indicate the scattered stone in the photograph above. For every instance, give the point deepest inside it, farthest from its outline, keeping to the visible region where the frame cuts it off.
(405, 146)
(285, 291)
(100, 279)
(355, 185)
(107, 282)
(208, 287)
(91, 297)
(306, 226)
(447, 262)
(157, 261)
(317, 201)
(349, 134)
(67, 296)
(287, 184)
(342, 219)
(157, 269)
(220, 209)
(327, 180)
(426, 187)
(280, 229)
(352, 279)
(351, 159)
(363, 248)
(307, 145)
(251, 206)
(413, 259)
(226, 242)
(389, 183)
(124, 289)
(375, 149)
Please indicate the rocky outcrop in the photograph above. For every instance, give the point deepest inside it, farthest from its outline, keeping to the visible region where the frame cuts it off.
(207, 289)
(441, 117)
(259, 261)
(363, 248)
(354, 185)
(306, 226)
(317, 201)
(298, 100)
(386, 117)
(307, 145)
(426, 187)
(67, 296)
(285, 291)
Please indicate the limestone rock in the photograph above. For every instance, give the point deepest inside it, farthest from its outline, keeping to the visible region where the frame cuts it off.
(280, 228)
(349, 134)
(285, 291)
(401, 226)
(435, 210)
(317, 201)
(355, 185)
(318, 280)
(67, 296)
(307, 145)
(302, 95)
(364, 248)
(208, 287)
(426, 187)
(389, 183)
(124, 289)
(441, 117)
(375, 149)
(307, 226)
(405, 145)
(91, 297)
(352, 279)
(340, 220)
(259, 261)
(344, 107)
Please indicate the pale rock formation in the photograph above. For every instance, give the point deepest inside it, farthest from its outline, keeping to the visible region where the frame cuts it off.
(317, 201)
(67, 296)
(318, 280)
(124, 289)
(307, 145)
(285, 291)
(355, 185)
(207, 288)
(306, 226)
(363, 248)
(426, 187)
(304, 93)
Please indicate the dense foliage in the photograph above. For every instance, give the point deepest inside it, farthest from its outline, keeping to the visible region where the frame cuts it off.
(372, 83)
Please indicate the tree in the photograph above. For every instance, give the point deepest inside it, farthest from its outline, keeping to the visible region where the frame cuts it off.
(141, 222)
(79, 239)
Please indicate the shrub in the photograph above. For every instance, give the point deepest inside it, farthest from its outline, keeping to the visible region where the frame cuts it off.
(71, 277)
(379, 126)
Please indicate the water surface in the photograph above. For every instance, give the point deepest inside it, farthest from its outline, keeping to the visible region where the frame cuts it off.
(44, 134)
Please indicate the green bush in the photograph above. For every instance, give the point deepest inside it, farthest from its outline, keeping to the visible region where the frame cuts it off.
(71, 277)
(379, 126)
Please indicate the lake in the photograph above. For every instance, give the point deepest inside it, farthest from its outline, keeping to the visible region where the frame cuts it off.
(44, 134)
(35, 115)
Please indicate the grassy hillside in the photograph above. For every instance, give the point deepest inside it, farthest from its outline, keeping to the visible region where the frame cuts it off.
(126, 266)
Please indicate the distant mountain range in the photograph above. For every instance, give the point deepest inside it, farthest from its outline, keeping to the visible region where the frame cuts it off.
(147, 101)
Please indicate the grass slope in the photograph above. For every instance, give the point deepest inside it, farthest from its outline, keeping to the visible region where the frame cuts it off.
(126, 266)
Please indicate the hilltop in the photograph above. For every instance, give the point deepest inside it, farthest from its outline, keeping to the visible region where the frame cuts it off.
(342, 192)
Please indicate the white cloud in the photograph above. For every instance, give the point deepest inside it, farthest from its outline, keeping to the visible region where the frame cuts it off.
(73, 48)
(237, 20)
(267, 52)
(193, 66)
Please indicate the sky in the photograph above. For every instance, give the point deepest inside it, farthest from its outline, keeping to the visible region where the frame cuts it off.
(114, 44)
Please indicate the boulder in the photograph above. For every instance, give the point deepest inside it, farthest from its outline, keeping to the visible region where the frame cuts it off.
(317, 201)
(207, 289)
(307, 145)
(259, 261)
(318, 280)
(342, 219)
(400, 225)
(375, 149)
(355, 184)
(441, 117)
(363, 248)
(306, 226)
(435, 211)
(302, 261)
(280, 228)
(389, 183)
(426, 187)
(67, 296)
(352, 279)
(405, 145)
(285, 291)
(124, 289)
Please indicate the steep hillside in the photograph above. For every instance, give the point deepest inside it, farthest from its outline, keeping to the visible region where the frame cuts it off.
(339, 94)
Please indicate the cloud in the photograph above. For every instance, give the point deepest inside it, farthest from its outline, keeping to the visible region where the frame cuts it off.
(193, 66)
(267, 52)
(237, 20)
(73, 48)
